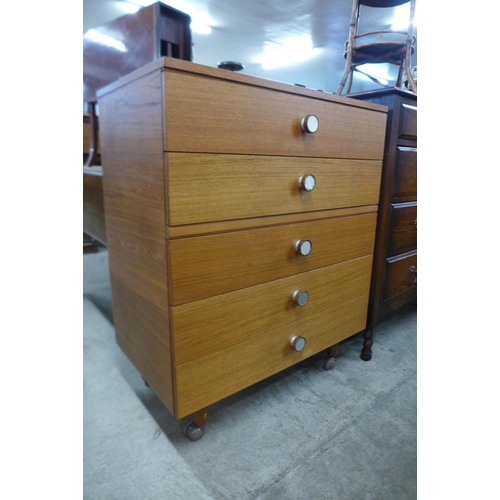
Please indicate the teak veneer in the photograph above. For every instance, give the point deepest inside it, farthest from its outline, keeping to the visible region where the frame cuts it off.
(213, 240)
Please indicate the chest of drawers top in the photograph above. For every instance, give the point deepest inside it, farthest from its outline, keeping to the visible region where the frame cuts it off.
(209, 110)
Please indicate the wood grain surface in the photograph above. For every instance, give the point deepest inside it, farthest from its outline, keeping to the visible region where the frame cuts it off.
(203, 209)
(212, 115)
(210, 265)
(226, 343)
(398, 278)
(214, 187)
(134, 202)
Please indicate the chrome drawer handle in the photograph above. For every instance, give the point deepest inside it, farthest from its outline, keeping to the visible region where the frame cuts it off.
(300, 297)
(298, 343)
(307, 182)
(310, 124)
(303, 247)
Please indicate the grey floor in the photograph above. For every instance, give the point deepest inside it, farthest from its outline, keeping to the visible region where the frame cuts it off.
(304, 434)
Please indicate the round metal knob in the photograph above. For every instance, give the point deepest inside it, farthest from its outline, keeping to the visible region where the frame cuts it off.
(310, 124)
(303, 247)
(300, 297)
(307, 182)
(298, 343)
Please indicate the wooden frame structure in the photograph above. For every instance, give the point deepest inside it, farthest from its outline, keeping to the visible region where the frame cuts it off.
(382, 50)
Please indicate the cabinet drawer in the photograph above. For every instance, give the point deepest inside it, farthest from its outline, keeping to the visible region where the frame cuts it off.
(203, 266)
(403, 228)
(204, 188)
(209, 115)
(407, 122)
(226, 343)
(405, 179)
(398, 277)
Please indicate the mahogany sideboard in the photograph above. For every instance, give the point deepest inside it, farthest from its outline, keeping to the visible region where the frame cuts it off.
(394, 278)
(240, 218)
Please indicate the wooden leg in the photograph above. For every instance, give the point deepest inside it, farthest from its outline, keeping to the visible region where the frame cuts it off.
(366, 352)
(333, 351)
(195, 430)
(329, 362)
(200, 417)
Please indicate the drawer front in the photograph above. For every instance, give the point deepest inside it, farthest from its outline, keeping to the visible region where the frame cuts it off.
(403, 228)
(399, 279)
(405, 182)
(204, 266)
(224, 344)
(204, 188)
(210, 115)
(407, 122)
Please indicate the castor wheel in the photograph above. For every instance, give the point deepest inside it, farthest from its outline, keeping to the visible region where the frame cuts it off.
(194, 432)
(329, 363)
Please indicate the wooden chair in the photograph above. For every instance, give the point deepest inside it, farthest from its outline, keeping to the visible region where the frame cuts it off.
(384, 50)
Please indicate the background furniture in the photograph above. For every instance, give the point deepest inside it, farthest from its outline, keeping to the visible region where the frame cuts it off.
(394, 279)
(240, 219)
(152, 32)
(91, 156)
(380, 46)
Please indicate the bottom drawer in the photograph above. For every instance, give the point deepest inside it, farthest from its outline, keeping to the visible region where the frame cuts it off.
(401, 274)
(225, 343)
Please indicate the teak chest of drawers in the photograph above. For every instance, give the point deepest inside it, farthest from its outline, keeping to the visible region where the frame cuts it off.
(240, 218)
(394, 279)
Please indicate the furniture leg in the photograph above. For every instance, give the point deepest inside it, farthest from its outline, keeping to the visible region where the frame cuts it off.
(195, 430)
(333, 350)
(366, 352)
(332, 353)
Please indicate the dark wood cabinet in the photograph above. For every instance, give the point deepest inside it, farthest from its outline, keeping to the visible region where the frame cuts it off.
(394, 276)
(111, 52)
(115, 49)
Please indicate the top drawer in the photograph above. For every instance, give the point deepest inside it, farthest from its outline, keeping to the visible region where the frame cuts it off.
(209, 115)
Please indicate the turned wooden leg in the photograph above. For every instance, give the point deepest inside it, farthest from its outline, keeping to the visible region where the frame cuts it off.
(366, 352)
(195, 430)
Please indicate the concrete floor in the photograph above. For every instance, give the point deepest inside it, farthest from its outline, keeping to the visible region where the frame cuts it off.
(304, 434)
